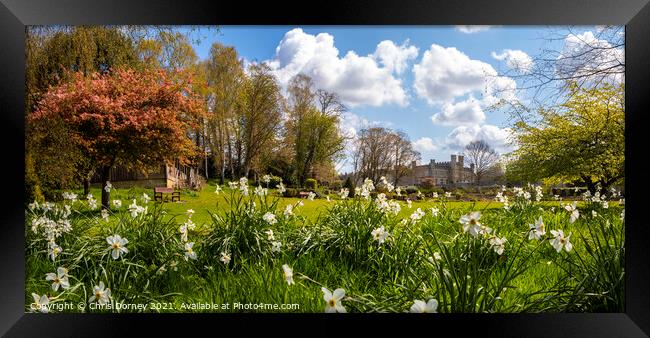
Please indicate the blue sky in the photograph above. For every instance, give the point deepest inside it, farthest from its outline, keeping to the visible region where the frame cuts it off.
(433, 82)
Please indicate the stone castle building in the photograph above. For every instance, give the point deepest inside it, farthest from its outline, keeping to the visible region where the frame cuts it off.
(449, 173)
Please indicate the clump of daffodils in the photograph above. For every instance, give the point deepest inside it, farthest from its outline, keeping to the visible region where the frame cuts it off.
(344, 193)
(266, 178)
(136, 209)
(281, 188)
(416, 216)
(498, 244)
(269, 218)
(380, 234)
(259, 191)
(243, 186)
(92, 202)
(386, 206)
(366, 188)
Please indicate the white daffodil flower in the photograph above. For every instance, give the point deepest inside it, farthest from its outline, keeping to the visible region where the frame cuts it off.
(108, 186)
(218, 189)
(145, 198)
(537, 230)
(117, 245)
(281, 188)
(333, 300)
(380, 234)
(560, 241)
(498, 244)
(59, 279)
(189, 251)
(269, 218)
(40, 303)
(419, 306)
(266, 178)
(105, 214)
(225, 258)
(311, 196)
(100, 295)
(183, 230)
(275, 246)
(288, 210)
(117, 203)
(269, 235)
(54, 250)
(288, 274)
(471, 223)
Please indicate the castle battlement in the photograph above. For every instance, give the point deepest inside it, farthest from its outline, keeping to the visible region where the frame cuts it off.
(443, 173)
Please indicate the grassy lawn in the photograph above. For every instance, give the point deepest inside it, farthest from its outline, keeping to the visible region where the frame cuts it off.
(333, 245)
(207, 201)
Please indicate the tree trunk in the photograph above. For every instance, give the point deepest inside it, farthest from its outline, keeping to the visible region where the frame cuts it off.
(106, 196)
(86, 186)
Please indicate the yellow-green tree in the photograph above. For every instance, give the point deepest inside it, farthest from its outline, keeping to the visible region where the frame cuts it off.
(582, 139)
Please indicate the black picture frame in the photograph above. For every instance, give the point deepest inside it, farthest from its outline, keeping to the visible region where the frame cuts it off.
(16, 14)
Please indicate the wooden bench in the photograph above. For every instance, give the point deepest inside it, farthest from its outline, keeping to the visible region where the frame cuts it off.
(159, 191)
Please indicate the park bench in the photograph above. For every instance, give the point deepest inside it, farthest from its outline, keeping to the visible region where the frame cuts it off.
(159, 191)
(303, 194)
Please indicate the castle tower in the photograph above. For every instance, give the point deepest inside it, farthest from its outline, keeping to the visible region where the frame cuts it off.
(453, 170)
(413, 164)
(432, 163)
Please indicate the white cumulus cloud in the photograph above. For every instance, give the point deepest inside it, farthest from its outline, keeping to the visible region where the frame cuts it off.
(472, 29)
(585, 54)
(498, 138)
(517, 60)
(393, 57)
(359, 80)
(467, 112)
(425, 145)
(445, 74)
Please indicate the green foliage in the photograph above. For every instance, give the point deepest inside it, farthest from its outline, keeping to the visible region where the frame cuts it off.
(411, 189)
(582, 139)
(311, 183)
(291, 192)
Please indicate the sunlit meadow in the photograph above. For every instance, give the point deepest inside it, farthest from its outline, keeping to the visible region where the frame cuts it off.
(244, 243)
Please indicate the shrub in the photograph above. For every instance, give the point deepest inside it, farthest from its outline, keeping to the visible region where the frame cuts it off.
(311, 183)
(411, 189)
(275, 181)
(336, 185)
(290, 192)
